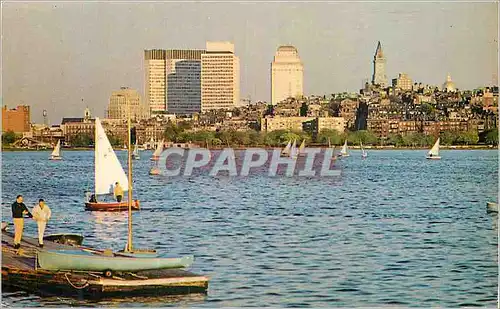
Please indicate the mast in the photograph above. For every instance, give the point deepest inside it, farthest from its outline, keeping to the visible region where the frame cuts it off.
(129, 242)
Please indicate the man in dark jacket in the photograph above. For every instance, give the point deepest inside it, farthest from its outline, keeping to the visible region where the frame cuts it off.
(18, 212)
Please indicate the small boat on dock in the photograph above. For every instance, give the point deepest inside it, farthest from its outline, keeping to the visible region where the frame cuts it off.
(491, 207)
(65, 239)
(89, 261)
(56, 153)
(433, 154)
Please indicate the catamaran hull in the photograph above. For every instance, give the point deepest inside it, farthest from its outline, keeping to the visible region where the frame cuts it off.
(122, 206)
(81, 260)
(433, 158)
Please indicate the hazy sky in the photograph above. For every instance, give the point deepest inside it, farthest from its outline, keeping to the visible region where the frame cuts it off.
(55, 54)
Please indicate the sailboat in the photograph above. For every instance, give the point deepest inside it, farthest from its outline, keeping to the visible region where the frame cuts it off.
(135, 154)
(363, 152)
(286, 151)
(107, 171)
(334, 156)
(56, 153)
(158, 151)
(293, 150)
(302, 147)
(433, 154)
(343, 151)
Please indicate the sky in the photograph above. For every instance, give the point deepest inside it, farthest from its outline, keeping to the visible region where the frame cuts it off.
(65, 56)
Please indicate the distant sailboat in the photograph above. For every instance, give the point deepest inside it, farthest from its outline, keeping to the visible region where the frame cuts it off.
(286, 151)
(363, 152)
(293, 150)
(433, 154)
(107, 171)
(302, 147)
(158, 151)
(343, 151)
(334, 156)
(56, 153)
(135, 154)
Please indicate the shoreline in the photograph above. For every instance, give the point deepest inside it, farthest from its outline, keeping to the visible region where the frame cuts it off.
(478, 147)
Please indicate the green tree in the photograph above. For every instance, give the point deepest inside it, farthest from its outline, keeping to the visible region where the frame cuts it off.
(115, 140)
(395, 139)
(9, 137)
(334, 136)
(366, 137)
(82, 140)
(491, 137)
(448, 138)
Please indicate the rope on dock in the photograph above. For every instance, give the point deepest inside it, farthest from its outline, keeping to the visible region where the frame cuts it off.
(76, 287)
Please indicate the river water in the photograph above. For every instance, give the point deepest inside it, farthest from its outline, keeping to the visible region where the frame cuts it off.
(394, 229)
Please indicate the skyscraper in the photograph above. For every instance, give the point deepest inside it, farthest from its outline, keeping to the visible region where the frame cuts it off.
(155, 81)
(220, 77)
(183, 89)
(287, 74)
(379, 77)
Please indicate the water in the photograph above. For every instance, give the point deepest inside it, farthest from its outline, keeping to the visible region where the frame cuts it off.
(394, 229)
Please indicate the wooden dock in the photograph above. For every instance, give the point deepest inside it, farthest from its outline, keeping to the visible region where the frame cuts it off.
(19, 270)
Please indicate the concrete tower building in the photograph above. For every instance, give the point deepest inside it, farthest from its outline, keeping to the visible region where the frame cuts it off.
(220, 77)
(121, 100)
(379, 77)
(287, 74)
(155, 81)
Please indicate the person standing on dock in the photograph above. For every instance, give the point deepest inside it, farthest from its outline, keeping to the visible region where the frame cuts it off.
(41, 214)
(18, 212)
(118, 191)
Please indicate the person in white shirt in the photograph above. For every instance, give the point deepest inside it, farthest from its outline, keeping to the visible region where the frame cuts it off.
(41, 214)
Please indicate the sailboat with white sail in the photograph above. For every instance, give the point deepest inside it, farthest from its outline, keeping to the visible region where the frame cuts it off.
(158, 151)
(433, 154)
(301, 152)
(363, 152)
(293, 150)
(135, 154)
(107, 172)
(286, 151)
(343, 151)
(56, 153)
(334, 156)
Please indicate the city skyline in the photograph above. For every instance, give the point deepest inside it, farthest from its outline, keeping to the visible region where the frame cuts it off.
(79, 47)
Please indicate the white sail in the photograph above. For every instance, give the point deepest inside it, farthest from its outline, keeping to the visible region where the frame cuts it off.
(159, 149)
(434, 150)
(286, 151)
(329, 143)
(302, 147)
(135, 154)
(363, 152)
(57, 150)
(344, 149)
(293, 149)
(108, 169)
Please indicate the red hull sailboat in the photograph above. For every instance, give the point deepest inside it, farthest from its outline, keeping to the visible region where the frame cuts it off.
(115, 206)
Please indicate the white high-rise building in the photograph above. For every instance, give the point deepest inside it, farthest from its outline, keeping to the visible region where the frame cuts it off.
(184, 81)
(155, 81)
(287, 74)
(220, 77)
(379, 77)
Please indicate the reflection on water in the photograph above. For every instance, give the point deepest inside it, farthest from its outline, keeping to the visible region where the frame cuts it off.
(394, 229)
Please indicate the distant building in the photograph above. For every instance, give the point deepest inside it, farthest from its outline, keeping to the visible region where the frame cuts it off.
(298, 123)
(17, 119)
(287, 74)
(449, 85)
(120, 101)
(183, 89)
(402, 82)
(155, 79)
(220, 77)
(379, 77)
